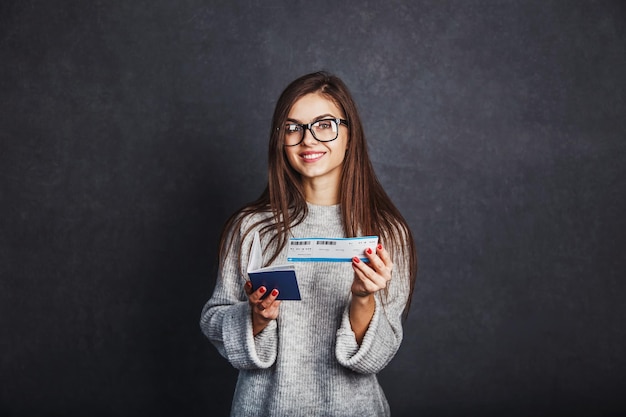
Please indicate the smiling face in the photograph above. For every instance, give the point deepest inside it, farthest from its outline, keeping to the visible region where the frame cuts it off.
(319, 163)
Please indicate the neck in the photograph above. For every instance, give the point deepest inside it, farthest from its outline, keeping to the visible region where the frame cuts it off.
(321, 193)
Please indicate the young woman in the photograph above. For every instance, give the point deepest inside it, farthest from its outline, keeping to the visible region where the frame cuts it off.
(318, 356)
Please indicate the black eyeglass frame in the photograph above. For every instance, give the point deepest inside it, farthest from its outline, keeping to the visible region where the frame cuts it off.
(308, 126)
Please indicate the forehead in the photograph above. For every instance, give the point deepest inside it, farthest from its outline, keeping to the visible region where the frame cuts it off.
(313, 105)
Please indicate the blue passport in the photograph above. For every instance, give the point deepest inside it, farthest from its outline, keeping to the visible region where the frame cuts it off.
(280, 277)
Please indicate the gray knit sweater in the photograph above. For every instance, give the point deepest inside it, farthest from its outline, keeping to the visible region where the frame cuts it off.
(306, 362)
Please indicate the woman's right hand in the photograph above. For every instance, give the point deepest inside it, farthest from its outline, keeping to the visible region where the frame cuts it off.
(264, 310)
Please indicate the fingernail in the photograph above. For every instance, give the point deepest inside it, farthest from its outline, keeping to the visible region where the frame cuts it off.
(379, 247)
(274, 292)
(356, 260)
(369, 251)
(262, 290)
(248, 284)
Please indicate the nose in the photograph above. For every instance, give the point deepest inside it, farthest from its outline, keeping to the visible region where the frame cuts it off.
(308, 139)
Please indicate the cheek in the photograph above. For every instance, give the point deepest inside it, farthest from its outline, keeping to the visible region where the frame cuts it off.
(290, 158)
(343, 149)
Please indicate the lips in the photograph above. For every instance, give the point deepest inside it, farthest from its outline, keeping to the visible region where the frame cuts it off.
(312, 156)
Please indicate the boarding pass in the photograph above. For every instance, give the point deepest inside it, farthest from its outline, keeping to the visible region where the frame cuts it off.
(317, 249)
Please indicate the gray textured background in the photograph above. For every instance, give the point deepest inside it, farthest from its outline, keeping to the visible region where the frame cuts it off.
(130, 130)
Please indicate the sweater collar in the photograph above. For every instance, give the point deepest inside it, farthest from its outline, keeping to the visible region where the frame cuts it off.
(324, 214)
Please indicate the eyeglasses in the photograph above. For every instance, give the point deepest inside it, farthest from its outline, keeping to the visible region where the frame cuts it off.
(325, 130)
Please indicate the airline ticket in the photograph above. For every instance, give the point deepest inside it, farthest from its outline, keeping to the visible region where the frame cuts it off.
(317, 249)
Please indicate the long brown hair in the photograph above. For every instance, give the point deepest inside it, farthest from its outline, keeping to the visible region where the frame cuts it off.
(366, 209)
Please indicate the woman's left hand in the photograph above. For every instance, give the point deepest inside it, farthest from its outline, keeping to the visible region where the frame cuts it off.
(373, 276)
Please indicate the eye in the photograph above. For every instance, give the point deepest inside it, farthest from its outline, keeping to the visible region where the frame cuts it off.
(324, 124)
(292, 128)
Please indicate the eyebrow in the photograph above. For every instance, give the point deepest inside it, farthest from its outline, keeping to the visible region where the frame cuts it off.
(320, 117)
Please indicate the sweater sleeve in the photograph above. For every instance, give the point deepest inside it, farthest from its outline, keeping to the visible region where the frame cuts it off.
(384, 334)
(226, 318)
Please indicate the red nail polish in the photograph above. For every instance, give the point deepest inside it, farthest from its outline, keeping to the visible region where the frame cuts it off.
(274, 292)
(356, 260)
(380, 247)
(262, 290)
(369, 251)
